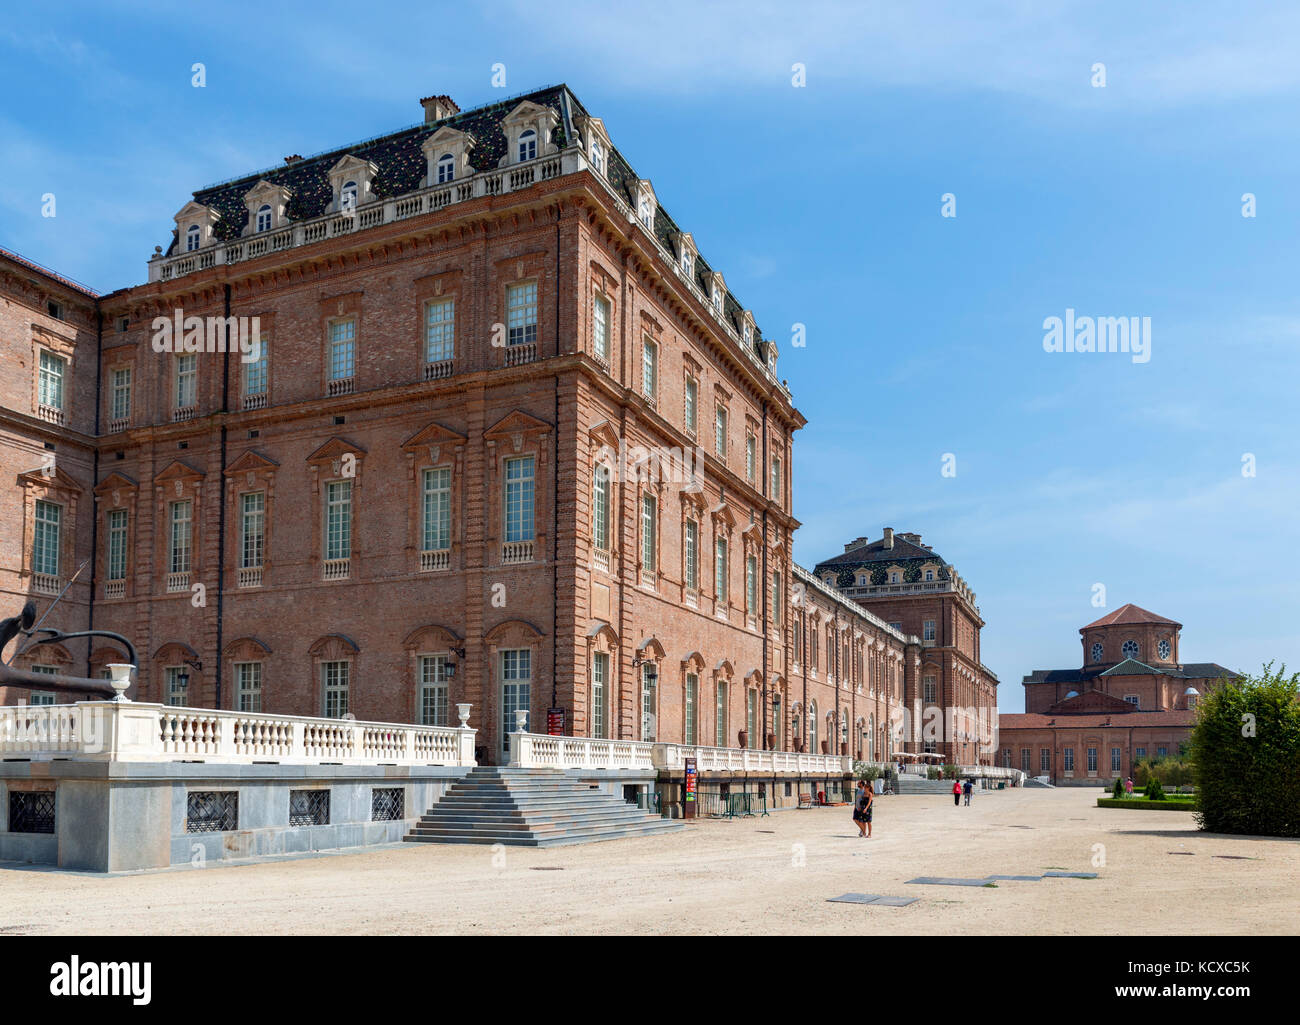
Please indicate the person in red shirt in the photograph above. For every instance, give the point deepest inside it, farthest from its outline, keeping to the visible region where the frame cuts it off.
(956, 793)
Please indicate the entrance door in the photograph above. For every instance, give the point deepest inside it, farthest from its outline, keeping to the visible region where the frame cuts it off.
(516, 692)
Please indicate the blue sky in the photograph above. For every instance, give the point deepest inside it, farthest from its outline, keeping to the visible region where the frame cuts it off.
(822, 206)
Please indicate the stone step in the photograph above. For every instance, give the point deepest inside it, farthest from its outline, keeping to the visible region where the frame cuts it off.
(594, 815)
(542, 835)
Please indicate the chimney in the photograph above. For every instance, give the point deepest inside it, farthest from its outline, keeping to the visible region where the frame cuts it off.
(292, 159)
(438, 108)
(889, 537)
(856, 543)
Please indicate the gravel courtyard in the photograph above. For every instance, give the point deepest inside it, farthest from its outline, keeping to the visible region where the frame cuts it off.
(749, 876)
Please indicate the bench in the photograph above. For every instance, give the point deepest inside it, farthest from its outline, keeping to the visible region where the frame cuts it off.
(805, 799)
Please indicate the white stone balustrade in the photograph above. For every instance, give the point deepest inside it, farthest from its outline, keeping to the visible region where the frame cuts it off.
(104, 731)
(539, 751)
(740, 759)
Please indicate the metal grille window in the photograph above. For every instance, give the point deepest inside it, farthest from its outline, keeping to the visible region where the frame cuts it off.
(248, 675)
(181, 522)
(187, 379)
(338, 519)
(649, 530)
(343, 349)
(387, 804)
(600, 327)
(117, 544)
(121, 394)
(437, 509)
(599, 681)
(692, 694)
(211, 811)
(252, 529)
(335, 677)
(519, 499)
(433, 690)
(309, 807)
(51, 380)
(45, 548)
(255, 375)
(692, 555)
(600, 507)
(521, 314)
(440, 330)
(177, 683)
(31, 811)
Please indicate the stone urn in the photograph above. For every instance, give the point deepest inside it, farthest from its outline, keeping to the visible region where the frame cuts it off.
(119, 675)
(744, 738)
(462, 711)
(826, 747)
(799, 745)
(771, 741)
(521, 720)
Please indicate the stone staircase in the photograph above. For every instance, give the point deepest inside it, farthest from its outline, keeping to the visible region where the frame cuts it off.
(907, 784)
(531, 808)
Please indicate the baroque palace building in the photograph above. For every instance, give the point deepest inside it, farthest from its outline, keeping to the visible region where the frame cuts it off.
(1133, 698)
(500, 434)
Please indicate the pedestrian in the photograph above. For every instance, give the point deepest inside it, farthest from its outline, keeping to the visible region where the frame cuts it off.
(966, 791)
(956, 793)
(859, 807)
(1128, 787)
(866, 809)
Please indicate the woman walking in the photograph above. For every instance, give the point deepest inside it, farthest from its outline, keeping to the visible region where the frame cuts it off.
(859, 807)
(956, 793)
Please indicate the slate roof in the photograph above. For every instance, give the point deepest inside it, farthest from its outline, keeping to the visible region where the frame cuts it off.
(22, 261)
(402, 168)
(1129, 613)
(877, 552)
(1041, 720)
(1186, 671)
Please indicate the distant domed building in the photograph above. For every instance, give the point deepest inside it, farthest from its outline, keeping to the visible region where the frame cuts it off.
(1132, 699)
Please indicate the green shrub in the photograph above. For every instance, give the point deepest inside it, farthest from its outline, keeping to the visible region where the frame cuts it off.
(950, 772)
(1141, 803)
(1117, 790)
(1174, 772)
(1154, 791)
(1246, 753)
(862, 770)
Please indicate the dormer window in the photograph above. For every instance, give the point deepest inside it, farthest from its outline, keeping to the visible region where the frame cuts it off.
(688, 262)
(646, 212)
(717, 298)
(864, 579)
(717, 290)
(527, 145)
(348, 197)
(929, 575)
(597, 156)
(828, 579)
(895, 577)
(446, 168)
(749, 333)
(192, 236)
(264, 217)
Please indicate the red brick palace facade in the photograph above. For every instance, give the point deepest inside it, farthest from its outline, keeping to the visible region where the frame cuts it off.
(500, 434)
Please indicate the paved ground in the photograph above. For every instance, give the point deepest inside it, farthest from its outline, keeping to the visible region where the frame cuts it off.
(766, 875)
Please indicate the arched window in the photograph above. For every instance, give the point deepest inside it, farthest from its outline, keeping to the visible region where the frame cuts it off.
(348, 197)
(264, 218)
(528, 146)
(192, 236)
(446, 168)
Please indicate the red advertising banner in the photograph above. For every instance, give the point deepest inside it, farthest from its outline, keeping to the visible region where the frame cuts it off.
(555, 722)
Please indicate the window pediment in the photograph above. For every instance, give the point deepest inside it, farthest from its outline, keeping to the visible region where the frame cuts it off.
(434, 435)
(117, 482)
(352, 170)
(254, 462)
(195, 215)
(56, 480)
(334, 452)
(516, 423)
(529, 117)
(448, 142)
(266, 194)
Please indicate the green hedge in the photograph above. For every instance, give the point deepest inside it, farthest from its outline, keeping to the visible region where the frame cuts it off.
(1246, 752)
(1143, 803)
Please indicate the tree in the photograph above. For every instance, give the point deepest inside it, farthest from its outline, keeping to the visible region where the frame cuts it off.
(1246, 755)
(1117, 790)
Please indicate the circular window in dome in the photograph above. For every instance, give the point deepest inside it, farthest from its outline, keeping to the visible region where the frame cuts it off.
(1130, 649)
(1097, 652)
(1164, 649)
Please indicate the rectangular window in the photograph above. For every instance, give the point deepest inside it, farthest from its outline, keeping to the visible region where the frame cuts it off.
(211, 811)
(248, 677)
(343, 349)
(1114, 759)
(649, 370)
(751, 457)
(1069, 759)
(519, 499)
(309, 807)
(1132, 699)
(255, 372)
(338, 519)
(437, 509)
(720, 717)
(600, 507)
(335, 677)
(181, 536)
(929, 691)
(40, 697)
(776, 598)
(516, 689)
(692, 695)
(186, 380)
(751, 717)
(440, 331)
(1024, 759)
(387, 804)
(692, 405)
(117, 544)
(252, 529)
(1139, 753)
(775, 492)
(521, 314)
(720, 431)
(1161, 752)
(50, 385)
(599, 690)
(433, 690)
(649, 703)
(120, 408)
(720, 571)
(927, 630)
(797, 639)
(45, 548)
(649, 530)
(1092, 759)
(1044, 760)
(751, 571)
(692, 555)
(177, 682)
(600, 328)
